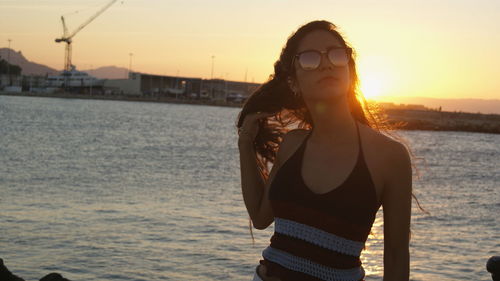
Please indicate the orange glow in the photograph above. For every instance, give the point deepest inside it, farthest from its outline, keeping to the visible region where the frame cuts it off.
(371, 86)
(397, 53)
(375, 77)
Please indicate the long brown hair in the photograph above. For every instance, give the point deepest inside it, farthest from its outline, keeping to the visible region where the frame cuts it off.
(275, 96)
(291, 112)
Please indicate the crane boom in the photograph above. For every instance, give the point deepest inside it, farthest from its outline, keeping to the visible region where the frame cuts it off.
(67, 38)
(65, 29)
(92, 18)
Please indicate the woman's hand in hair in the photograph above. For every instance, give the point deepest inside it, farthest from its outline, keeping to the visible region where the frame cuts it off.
(250, 127)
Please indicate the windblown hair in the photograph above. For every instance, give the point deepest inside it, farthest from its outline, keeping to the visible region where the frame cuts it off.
(291, 112)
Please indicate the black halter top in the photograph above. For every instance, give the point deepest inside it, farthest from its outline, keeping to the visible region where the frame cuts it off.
(320, 236)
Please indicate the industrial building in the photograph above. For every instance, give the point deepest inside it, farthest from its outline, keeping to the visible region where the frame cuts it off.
(142, 84)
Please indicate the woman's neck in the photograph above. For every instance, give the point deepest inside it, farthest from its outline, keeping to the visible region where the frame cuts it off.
(333, 122)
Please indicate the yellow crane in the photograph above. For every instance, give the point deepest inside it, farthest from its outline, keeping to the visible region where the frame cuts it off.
(67, 37)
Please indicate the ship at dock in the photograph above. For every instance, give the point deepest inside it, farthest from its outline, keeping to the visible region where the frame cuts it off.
(73, 79)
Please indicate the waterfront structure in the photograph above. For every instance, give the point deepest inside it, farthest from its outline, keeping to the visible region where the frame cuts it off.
(10, 83)
(143, 84)
(73, 79)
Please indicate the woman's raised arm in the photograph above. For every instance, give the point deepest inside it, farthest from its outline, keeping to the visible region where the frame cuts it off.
(252, 182)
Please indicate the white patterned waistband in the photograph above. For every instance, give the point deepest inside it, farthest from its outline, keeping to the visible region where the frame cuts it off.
(318, 237)
(306, 266)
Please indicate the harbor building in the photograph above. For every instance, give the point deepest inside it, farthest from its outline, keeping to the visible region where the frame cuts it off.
(143, 84)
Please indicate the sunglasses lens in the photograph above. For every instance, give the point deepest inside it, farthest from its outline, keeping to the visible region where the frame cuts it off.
(309, 60)
(338, 57)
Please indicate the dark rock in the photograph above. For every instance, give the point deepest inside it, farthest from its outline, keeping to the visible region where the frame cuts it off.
(54, 277)
(6, 275)
(493, 266)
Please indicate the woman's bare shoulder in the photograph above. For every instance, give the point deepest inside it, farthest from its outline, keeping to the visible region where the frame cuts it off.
(391, 152)
(382, 142)
(389, 158)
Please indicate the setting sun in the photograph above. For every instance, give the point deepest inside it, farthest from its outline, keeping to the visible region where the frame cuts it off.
(375, 77)
(371, 86)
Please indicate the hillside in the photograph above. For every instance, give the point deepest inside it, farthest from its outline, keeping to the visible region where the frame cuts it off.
(28, 67)
(108, 72)
(33, 68)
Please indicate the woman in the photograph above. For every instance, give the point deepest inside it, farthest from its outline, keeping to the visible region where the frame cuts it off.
(330, 175)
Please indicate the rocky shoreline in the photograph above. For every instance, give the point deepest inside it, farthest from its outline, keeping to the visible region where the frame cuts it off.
(433, 120)
(404, 119)
(6, 275)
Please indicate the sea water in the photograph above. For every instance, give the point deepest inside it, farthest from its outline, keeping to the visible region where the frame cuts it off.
(115, 190)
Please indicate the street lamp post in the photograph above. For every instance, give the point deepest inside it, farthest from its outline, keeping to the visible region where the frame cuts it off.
(212, 78)
(91, 78)
(8, 63)
(175, 84)
(130, 64)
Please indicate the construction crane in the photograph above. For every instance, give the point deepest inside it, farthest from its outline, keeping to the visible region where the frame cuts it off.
(67, 38)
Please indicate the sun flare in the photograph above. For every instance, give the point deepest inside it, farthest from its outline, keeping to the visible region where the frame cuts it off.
(374, 77)
(371, 86)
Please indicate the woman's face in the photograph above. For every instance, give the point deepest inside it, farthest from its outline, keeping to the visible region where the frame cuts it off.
(311, 83)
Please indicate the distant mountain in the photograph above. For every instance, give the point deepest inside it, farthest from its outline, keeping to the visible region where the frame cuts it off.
(28, 67)
(486, 106)
(32, 68)
(108, 72)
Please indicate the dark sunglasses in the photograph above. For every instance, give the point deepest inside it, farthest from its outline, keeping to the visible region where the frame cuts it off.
(311, 59)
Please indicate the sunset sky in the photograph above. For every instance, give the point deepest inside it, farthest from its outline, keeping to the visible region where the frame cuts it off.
(438, 48)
